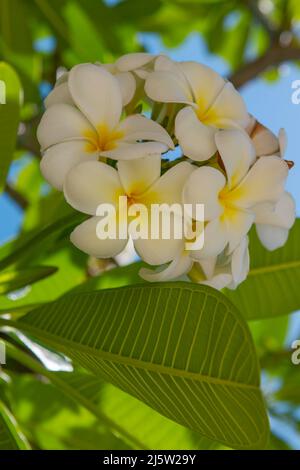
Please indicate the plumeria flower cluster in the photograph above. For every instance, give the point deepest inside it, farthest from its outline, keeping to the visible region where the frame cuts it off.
(109, 131)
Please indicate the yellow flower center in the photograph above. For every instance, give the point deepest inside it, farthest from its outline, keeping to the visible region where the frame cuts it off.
(206, 114)
(101, 140)
(227, 199)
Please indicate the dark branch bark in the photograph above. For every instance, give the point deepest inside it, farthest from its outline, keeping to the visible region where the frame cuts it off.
(16, 196)
(262, 19)
(274, 56)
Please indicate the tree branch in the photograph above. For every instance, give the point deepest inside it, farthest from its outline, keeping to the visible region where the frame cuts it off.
(17, 197)
(275, 55)
(262, 19)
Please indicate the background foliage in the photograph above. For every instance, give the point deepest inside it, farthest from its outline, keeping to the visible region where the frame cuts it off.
(190, 356)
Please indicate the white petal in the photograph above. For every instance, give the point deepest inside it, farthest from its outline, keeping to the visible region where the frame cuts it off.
(133, 61)
(205, 83)
(208, 266)
(282, 214)
(219, 281)
(203, 187)
(58, 160)
(164, 63)
(251, 124)
(92, 183)
(265, 142)
(195, 138)
(168, 87)
(215, 240)
(156, 252)
(61, 122)
(229, 107)
(272, 237)
(237, 153)
(138, 175)
(85, 238)
(179, 266)
(138, 127)
(97, 94)
(240, 263)
(59, 94)
(169, 187)
(282, 138)
(127, 85)
(126, 151)
(264, 183)
(62, 79)
(238, 225)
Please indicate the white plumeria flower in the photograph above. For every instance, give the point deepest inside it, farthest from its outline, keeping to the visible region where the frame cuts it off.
(213, 104)
(273, 221)
(229, 201)
(139, 63)
(90, 184)
(225, 270)
(130, 71)
(70, 134)
(265, 141)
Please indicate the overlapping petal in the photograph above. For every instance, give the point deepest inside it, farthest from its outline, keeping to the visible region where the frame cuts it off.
(59, 159)
(84, 237)
(196, 139)
(96, 93)
(90, 184)
(60, 123)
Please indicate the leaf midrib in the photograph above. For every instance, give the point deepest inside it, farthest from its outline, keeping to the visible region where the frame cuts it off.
(274, 268)
(104, 355)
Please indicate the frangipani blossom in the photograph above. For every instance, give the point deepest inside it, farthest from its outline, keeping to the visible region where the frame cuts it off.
(93, 183)
(224, 270)
(265, 141)
(93, 117)
(131, 70)
(273, 221)
(91, 127)
(229, 200)
(213, 104)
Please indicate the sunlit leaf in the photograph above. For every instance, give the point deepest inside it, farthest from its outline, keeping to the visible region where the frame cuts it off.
(272, 287)
(182, 349)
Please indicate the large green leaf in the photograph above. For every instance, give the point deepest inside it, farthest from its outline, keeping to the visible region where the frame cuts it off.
(119, 412)
(272, 287)
(183, 349)
(9, 117)
(11, 437)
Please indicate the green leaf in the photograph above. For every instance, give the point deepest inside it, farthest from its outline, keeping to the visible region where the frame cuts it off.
(116, 277)
(11, 437)
(13, 280)
(33, 243)
(183, 349)
(69, 263)
(9, 117)
(119, 412)
(272, 286)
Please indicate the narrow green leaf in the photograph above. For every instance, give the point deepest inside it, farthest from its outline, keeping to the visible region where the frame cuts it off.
(272, 287)
(33, 244)
(10, 89)
(15, 279)
(183, 349)
(11, 437)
